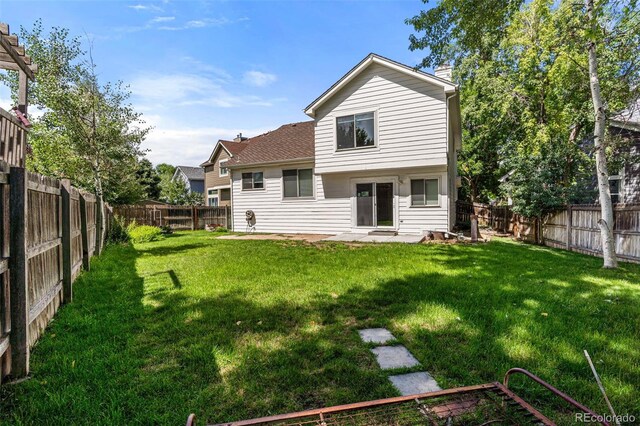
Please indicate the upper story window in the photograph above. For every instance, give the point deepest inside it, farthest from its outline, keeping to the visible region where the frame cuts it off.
(615, 187)
(424, 192)
(223, 170)
(297, 183)
(355, 131)
(252, 180)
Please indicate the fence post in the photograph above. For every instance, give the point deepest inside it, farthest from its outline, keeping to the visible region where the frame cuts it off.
(569, 224)
(84, 231)
(19, 278)
(194, 217)
(99, 225)
(65, 193)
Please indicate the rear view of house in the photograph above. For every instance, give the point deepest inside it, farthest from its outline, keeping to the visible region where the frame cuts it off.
(379, 154)
(217, 180)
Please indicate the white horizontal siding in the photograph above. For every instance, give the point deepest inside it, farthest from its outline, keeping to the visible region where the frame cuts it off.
(331, 211)
(411, 123)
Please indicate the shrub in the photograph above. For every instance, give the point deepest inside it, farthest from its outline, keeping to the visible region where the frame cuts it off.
(144, 233)
(118, 231)
(221, 229)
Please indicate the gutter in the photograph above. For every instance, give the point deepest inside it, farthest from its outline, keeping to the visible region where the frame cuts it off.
(271, 163)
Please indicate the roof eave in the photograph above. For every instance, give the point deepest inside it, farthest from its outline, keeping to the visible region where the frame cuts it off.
(271, 163)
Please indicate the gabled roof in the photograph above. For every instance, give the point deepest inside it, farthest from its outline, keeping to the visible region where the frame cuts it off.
(288, 143)
(629, 119)
(372, 58)
(192, 173)
(232, 148)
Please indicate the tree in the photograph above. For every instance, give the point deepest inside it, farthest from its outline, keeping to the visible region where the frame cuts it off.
(526, 92)
(149, 179)
(176, 192)
(88, 132)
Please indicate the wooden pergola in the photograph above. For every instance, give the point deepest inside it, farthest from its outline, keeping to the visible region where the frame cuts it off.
(13, 129)
(13, 57)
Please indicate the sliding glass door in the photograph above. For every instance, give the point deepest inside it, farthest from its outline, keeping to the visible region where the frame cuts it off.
(375, 204)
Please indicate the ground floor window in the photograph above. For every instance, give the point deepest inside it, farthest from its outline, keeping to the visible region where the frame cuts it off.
(297, 183)
(212, 198)
(225, 194)
(252, 180)
(424, 192)
(615, 187)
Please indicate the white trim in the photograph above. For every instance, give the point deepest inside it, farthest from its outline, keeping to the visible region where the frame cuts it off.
(374, 59)
(211, 196)
(426, 177)
(354, 203)
(298, 198)
(354, 112)
(221, 187)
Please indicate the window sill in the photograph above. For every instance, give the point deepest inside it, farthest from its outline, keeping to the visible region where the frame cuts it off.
(435, 206)
(355, 149)
(252, 189)
(294, 199)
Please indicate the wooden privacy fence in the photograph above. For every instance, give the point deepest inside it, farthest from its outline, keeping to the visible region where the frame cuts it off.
(13, 139)
(575, 228)
(50, 230)
(176, 217)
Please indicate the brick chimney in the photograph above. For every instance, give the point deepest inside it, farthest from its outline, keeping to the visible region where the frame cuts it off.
(239, 138)
(444, 71)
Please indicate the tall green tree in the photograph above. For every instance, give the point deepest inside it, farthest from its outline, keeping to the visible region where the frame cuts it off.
(149, 179)
(527, 94)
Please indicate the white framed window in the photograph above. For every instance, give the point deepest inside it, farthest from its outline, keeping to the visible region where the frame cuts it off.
(223, 170)
(252, 180)
(212, 198)
(356, 131)
(616, 183)
(297, 183)
(425, 192)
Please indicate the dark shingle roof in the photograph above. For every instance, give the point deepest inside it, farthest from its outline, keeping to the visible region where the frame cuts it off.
(192, 173)
(234, 148)
(289, 142)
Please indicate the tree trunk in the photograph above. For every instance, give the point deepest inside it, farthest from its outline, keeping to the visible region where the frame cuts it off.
(606, 208)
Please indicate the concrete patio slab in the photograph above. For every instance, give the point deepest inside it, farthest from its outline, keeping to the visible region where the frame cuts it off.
(365, 238)
(376, 335)
(376, 239)
(346, 237)
(413, 383)
(390, 357)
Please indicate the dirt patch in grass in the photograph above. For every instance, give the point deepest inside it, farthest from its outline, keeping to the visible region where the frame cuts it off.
(311, 238)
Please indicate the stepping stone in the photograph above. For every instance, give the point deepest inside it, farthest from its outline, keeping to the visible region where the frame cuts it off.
(413, 383)
(376, 335)
(390, 357)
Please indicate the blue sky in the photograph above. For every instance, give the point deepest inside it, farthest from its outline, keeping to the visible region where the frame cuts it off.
(200, 71)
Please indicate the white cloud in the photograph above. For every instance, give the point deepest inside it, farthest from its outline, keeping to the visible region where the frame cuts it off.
(162, 19)
(179, 90)
(203, 23)
(258, 78)
(177, 144)
(141, 7)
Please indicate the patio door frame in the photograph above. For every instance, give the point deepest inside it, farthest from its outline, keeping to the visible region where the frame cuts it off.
(354, 203)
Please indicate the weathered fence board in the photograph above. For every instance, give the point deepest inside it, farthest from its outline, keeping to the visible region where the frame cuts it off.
(176, 217)
(575, 228)
(42, 247)
(13, 139)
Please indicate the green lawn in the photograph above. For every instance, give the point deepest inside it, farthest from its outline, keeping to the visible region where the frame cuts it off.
(235, 329)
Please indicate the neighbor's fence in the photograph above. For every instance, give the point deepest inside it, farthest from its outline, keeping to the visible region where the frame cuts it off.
(49, 231)
(575, 228)
(176, 217)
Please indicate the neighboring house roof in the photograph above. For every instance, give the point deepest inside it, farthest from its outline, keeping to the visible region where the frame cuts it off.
(232, 148)
(372, 58)
(288, 143)
(191, 173)
(628, 119)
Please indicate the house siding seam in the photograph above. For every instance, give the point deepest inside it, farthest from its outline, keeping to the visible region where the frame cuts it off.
(411, 123)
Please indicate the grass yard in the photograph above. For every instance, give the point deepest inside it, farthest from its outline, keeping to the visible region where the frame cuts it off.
(235, 329)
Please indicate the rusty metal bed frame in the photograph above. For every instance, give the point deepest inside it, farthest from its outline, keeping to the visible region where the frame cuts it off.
(486, 404)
